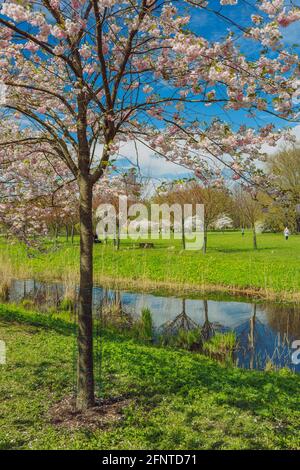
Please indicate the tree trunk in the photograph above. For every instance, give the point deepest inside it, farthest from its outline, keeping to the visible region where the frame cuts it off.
(56, 234)
(254, 239)
(85, 373)
(298, 224)
(252, 338)
(67, 233)
(117, 239)
(182, 230)
(205, 304)
(205, 241)
(72, 234)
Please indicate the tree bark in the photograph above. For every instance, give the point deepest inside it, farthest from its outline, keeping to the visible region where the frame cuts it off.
(298, 224)
(205, 241)
(254, 239)
(252, 338)
(85, 374)
(55, 235)
(117, 239)
(182, 230)
(205, 304)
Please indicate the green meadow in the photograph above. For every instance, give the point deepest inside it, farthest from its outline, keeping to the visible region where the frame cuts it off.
(230, 265)
(167, 399)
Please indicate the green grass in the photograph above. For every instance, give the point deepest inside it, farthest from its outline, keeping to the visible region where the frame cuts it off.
(230, 264)
(177, 400)
(221, 344)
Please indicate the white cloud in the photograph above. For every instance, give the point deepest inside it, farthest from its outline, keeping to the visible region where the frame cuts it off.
(151, 166)
(156, 167)
(281, 143)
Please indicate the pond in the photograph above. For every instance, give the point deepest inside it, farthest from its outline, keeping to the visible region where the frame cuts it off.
(265, 332)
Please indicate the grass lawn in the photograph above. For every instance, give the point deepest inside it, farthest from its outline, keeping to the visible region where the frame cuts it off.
(230, 264)
(174, 399)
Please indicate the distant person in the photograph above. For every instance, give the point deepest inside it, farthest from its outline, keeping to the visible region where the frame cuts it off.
(96, 239)
(243, 231)
(286, 233)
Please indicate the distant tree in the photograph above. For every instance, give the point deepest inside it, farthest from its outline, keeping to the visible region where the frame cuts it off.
(277, 212)
(214, 199)
(173, 193)
(224, 221)
(125, 184)
(250, 209)
(35, 194)
(284, 167)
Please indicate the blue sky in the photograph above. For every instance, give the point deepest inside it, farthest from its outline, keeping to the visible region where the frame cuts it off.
(158, 169)
(214, 29)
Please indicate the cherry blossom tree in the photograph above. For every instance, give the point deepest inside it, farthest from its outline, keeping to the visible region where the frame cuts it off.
(223, 222)
(87, 75)
(36, 189)
(124, 185)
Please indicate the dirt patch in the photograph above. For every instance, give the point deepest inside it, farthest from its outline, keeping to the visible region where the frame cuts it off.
(106, 411)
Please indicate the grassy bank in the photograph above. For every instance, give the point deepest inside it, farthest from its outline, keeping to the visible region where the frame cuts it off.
(172, 399)
(231, 265)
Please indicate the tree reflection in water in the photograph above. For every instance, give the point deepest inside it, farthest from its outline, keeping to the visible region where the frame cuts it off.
(181, 322)
(264, 331)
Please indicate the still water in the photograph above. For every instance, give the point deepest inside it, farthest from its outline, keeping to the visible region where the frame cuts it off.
(265, 332)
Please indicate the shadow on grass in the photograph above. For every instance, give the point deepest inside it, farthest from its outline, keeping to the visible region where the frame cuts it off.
(148, 373)
(10, 314)
(191, 376)
(246, 250)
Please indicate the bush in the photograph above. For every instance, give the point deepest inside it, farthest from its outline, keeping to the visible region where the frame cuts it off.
(4, 292)
(28, 304)
(114, 317)
(184, 339)
(67, 305)
(221, 346)
(143, 328)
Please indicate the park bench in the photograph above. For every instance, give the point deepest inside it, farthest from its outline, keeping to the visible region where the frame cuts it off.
(146, 245)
